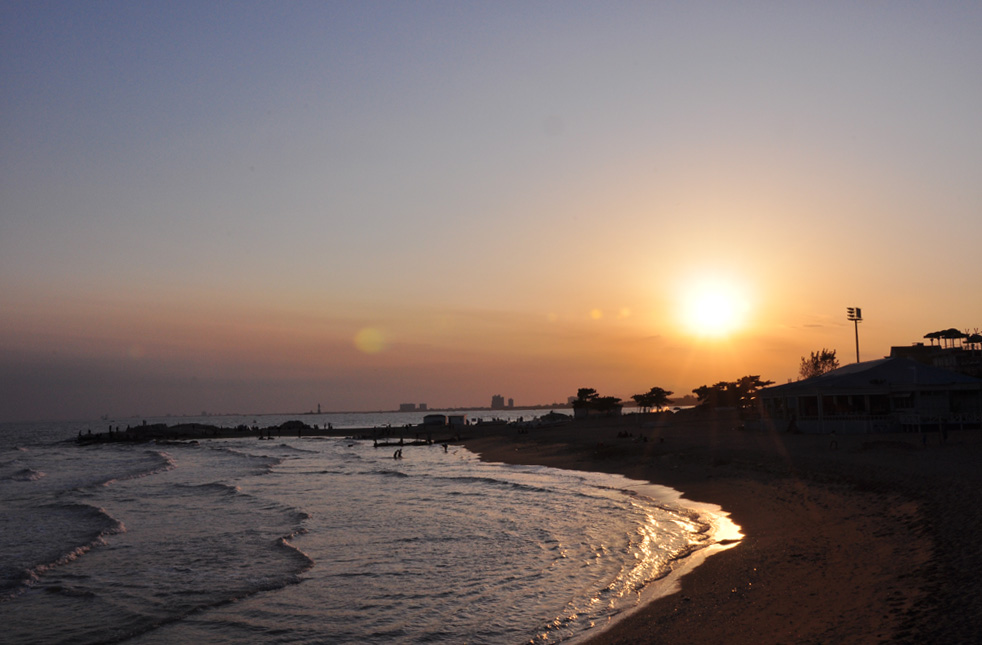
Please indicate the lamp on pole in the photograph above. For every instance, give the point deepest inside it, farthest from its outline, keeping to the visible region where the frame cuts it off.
(856, 316)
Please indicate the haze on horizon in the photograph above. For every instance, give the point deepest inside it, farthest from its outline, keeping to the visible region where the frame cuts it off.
(268, 206)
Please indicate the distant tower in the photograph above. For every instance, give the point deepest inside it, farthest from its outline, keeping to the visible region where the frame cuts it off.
(511, 403)
(497, 402)
(318, 408)
(422, 407)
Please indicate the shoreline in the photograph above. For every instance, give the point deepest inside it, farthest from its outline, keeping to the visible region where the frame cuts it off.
(867, 542)
(723, 536)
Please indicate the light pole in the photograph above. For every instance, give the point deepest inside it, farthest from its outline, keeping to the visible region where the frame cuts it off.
(856, 316)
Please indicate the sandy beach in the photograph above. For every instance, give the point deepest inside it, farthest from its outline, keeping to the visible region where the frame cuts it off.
(847, 539)
(871, 540)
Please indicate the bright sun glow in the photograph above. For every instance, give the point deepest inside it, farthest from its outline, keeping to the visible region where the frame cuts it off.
(713, 309)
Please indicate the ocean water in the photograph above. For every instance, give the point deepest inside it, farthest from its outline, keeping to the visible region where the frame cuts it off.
(317, 540)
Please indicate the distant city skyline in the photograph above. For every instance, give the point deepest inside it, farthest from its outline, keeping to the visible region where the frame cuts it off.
(252, 206)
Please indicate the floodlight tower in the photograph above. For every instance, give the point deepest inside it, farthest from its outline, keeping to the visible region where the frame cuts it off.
(856, 316)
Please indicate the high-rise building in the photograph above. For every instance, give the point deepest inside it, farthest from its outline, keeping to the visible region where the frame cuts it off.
(497, 402)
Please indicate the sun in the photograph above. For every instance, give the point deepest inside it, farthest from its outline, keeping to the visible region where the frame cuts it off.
(713, 309)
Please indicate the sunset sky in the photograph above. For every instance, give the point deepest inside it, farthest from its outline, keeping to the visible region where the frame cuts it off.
(262, 207)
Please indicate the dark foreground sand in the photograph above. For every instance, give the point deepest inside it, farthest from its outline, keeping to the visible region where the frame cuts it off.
(876, 541)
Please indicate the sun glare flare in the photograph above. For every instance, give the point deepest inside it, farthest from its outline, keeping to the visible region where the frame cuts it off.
(370, 340)
(713, 309)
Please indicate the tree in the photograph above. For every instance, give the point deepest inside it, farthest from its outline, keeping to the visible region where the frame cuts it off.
(586, 395)
(607, 404)
(718, 395)
(655, 398)
(818, 363)
(741, 393)
(588, 399)
(747, 389)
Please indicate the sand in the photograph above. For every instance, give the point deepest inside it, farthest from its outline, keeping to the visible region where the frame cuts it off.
(872, 541)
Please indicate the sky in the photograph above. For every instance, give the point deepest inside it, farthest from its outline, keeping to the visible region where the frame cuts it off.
(269, 206)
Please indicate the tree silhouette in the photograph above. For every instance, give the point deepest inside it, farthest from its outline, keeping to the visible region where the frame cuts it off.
(587, 398)
(713, 396)
(586, 394)
(748, 387)
(741, 394)
(654, 398)
(818, 363)
(606, 404)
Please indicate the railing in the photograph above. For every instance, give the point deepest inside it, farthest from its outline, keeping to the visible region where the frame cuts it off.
(852, 424)
(870, 424)
(917, 422)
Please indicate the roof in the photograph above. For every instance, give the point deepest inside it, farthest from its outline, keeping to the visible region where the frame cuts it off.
(879, 375)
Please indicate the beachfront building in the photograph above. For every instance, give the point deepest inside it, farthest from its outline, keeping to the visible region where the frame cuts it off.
(966, 359)
(885, 395)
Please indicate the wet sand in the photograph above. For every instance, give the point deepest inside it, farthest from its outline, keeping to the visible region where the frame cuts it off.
(872, 541)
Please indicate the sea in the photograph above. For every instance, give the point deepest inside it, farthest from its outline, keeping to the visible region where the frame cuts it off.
(320, 539)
